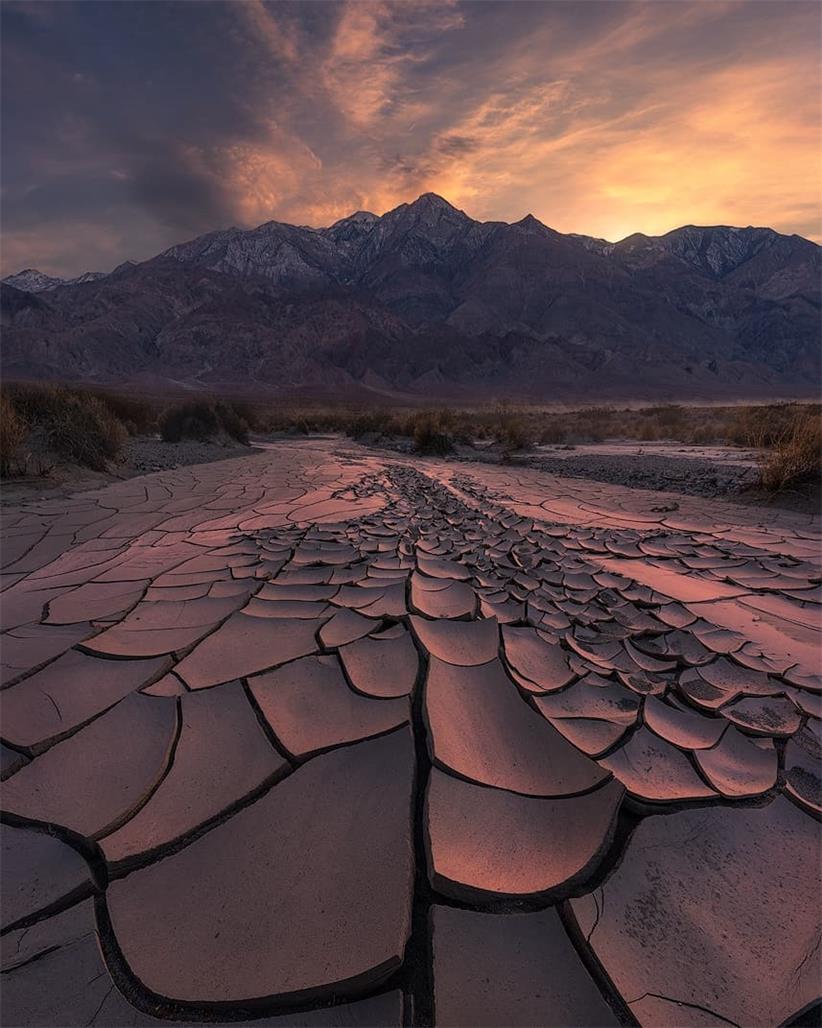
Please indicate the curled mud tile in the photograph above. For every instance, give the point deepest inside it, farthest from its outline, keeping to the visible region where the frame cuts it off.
(505, 611)
(592, 697)
(645, 662)
(38, 872)
(684, 586)
(10, 761)
(344, 627)
(645, 684)
(465, 643)
(323, 903)
(382, 667)
(120, 643)
(684, 728)
(482, 729)
(302, 576)
(786, 644)
(590, 735)
(305, 610)
(792, 611)
(806, 702)
(653, 770)
(517, 970)
(32, 646)
(723, 933)
(701, 693)
(439, 567)
(155, 628)
(803, 767)
(222, 756)
(720, 640)
(487, 842)
(168, 685)
(246, 645)
(92, 781)
(675, 615)
(356, 596)
(310, 707)
(72, 689)
(732, 677)
(389, 603)
(797, 676)
(737, 766)
(445, 599)
(606, 655)
(542, 663)
(59, 977)
(93, 601)
(752, 656)
(766, 715)
(177, 592)
(277, 591)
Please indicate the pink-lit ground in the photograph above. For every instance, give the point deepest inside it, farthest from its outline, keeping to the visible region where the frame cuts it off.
(319, 737)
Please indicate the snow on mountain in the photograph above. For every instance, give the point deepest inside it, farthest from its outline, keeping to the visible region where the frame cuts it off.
(33, 281)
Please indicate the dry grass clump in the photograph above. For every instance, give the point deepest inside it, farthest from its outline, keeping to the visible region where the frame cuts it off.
(12, 434)
(760, 427)
(433, 433)
(138, 416)
(510, 430)
(370, 422)
(553, 433)
(796, 458)
(72, 424)
(202, 420)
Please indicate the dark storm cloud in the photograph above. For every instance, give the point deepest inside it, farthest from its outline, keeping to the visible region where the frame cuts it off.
(128, 126)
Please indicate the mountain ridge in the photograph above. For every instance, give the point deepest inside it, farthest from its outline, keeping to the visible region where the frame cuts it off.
(426, 298)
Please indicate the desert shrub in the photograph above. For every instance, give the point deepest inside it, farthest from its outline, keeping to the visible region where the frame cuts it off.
(231, 421)
(510, 430)
(247, 412)
(202, 420)
(192, 420)
(760, 427)
(431, 434)
(553, 432)
(12, 434)
(74, 424)
(668, 420)
(797, 456)
(369, 422)
(647, 431)
(138, 416)
(702, 435)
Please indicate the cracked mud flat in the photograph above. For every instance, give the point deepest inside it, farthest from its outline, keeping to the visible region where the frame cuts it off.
(320, 737)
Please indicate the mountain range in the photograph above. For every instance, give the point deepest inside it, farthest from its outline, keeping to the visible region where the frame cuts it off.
(426, 301)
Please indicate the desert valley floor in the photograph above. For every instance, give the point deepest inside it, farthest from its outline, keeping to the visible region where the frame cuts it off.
(321, 737)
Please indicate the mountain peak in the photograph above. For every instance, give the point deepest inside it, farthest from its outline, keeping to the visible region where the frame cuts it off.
(351, 229)
(531, 224)
(434, 201)
(32, 280)
(357, 218)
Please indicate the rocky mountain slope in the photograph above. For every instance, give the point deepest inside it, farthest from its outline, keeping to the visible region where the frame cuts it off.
(31, 280)
(426, 300)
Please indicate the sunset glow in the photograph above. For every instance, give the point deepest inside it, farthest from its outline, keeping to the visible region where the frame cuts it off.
(600, 118)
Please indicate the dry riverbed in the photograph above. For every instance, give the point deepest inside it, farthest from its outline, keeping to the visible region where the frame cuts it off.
(326, 736)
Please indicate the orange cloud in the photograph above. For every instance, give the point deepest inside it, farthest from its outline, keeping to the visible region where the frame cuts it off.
(603, 118)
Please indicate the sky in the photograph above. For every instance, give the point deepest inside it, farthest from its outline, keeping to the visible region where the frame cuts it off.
(130, 126)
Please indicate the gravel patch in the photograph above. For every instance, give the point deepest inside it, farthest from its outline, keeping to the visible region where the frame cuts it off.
(142, 455)
(693, 477)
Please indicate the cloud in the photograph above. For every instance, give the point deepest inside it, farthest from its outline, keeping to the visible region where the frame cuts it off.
(605, 118)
